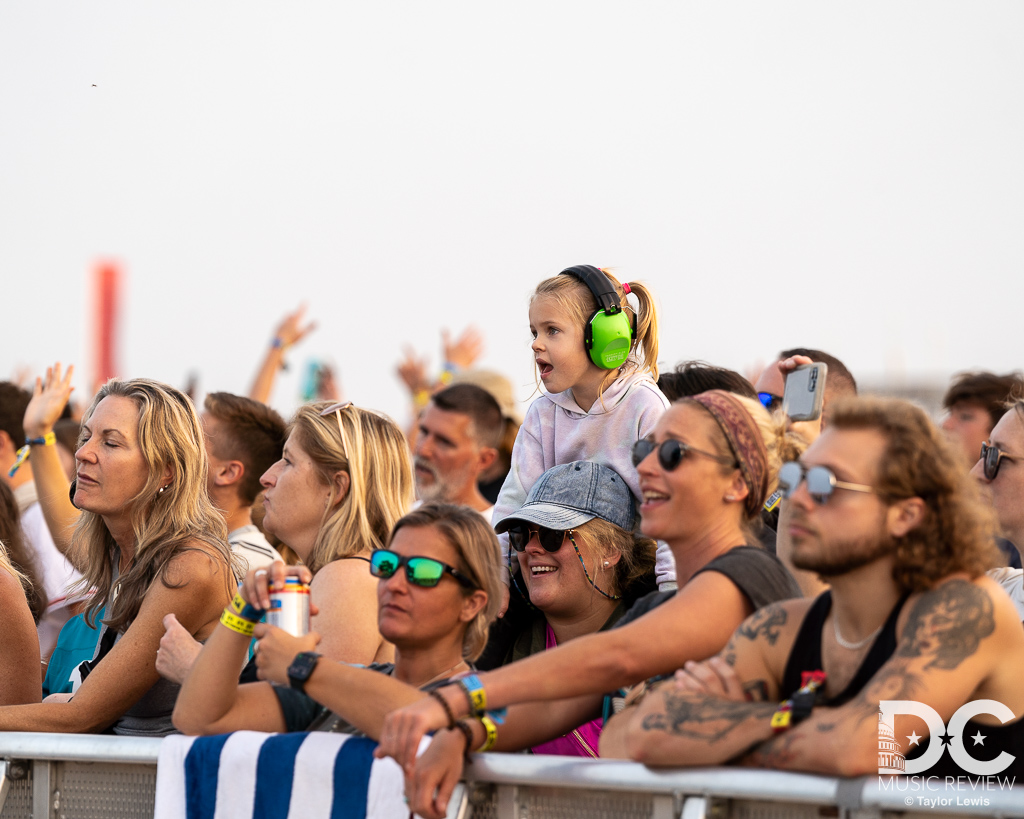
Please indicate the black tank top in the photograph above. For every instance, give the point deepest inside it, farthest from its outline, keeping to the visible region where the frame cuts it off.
(806, 656)
(806, 652)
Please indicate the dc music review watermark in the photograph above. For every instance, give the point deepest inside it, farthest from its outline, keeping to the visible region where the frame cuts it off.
(897, 773)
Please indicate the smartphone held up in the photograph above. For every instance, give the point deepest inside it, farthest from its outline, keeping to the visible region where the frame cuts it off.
(805, 392)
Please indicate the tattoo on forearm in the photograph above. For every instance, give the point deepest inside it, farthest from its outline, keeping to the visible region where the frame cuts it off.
(766, 622)
(776, 752)
(948, 624)
(706, 719)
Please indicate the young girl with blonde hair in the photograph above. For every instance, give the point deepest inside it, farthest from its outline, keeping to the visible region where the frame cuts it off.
(597, 358)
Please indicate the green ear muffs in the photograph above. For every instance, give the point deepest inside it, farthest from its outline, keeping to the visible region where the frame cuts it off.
(608, 334)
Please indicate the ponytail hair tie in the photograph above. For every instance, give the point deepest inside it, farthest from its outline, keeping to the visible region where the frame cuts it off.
(625, 288)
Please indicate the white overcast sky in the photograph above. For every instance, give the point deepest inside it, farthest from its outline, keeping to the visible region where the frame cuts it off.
(847, 176)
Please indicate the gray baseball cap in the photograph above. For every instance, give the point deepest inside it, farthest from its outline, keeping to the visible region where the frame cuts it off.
(568, 495)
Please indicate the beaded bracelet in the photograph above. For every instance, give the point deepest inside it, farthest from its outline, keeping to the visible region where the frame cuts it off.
(467, 734)
(237, 624)
(444, 704)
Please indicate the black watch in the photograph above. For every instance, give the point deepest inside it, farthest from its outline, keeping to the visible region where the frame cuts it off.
(300, 669)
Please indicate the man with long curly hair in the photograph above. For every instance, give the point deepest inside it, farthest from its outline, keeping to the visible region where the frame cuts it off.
(882, 511)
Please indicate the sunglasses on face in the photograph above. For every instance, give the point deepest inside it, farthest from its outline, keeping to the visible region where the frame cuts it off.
(671, 453)
(821, 482)
(551, 539)
(991, 457)
(420, 571)
(769, 401)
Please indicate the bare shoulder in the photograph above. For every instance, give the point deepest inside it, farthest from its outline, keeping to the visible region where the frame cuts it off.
(197, 563)
(9, 584)
(350, 575)
(948, 623)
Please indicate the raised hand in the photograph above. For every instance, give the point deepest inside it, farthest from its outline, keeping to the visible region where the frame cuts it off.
(464, 350)
(412, 369)
(49, 398)
(292, 330)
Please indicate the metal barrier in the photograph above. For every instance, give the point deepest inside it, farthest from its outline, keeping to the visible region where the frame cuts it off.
(64, 776)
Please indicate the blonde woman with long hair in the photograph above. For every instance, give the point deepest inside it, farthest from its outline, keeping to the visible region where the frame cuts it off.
(343, 481)
(152, 544)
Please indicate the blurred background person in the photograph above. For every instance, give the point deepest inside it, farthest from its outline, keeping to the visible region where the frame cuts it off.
(1000, 471)
(20, 651)
(974, 403)
(460, 430)
(244, 438)
(56, 572)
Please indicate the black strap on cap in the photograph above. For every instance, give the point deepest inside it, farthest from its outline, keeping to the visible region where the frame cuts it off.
(599, 284)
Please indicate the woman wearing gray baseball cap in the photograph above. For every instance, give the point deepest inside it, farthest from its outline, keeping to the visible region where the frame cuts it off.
(579, 566)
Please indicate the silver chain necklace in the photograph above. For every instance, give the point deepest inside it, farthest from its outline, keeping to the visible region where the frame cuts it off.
(846, 643)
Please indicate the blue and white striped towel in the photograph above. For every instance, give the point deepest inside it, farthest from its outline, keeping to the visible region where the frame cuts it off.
(251, 775)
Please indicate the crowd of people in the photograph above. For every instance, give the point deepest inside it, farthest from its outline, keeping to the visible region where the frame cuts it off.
(659, 566)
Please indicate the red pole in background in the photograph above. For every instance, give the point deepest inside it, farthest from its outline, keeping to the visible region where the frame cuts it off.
(107, 301)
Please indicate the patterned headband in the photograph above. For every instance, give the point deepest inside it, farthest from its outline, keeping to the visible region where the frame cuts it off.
(745, 441)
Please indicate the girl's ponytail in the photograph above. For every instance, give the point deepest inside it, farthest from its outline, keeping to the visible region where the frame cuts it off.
(646, 329)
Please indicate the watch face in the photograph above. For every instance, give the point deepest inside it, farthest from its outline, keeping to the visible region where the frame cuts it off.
(300, 669)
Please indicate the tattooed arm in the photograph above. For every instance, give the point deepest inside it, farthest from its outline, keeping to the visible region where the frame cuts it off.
(955, 646)
(717, 709)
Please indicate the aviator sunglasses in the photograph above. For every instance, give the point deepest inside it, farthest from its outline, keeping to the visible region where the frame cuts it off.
(991, 457)
(821, 482)
(671, 453)
(420, 571)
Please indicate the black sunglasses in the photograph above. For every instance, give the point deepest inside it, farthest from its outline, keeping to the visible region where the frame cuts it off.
(420, 571)
(821, 482)
(671, 453)
(551, 539)
(769, 401)
(991, 457)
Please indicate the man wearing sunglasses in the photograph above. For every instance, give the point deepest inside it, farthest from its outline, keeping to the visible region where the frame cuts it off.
(1000, 472)
(882, 511)
(459, 433)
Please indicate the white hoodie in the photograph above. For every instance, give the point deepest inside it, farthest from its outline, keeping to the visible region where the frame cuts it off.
(557, 431)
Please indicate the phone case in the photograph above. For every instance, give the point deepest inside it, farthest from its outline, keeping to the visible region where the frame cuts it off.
(805, 392)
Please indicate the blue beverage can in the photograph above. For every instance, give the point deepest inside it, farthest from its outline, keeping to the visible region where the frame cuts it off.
(289, 607)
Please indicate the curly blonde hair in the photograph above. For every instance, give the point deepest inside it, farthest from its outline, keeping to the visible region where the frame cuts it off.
(958, 530)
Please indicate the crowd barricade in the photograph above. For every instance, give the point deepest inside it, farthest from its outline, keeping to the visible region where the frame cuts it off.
(66, 776)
